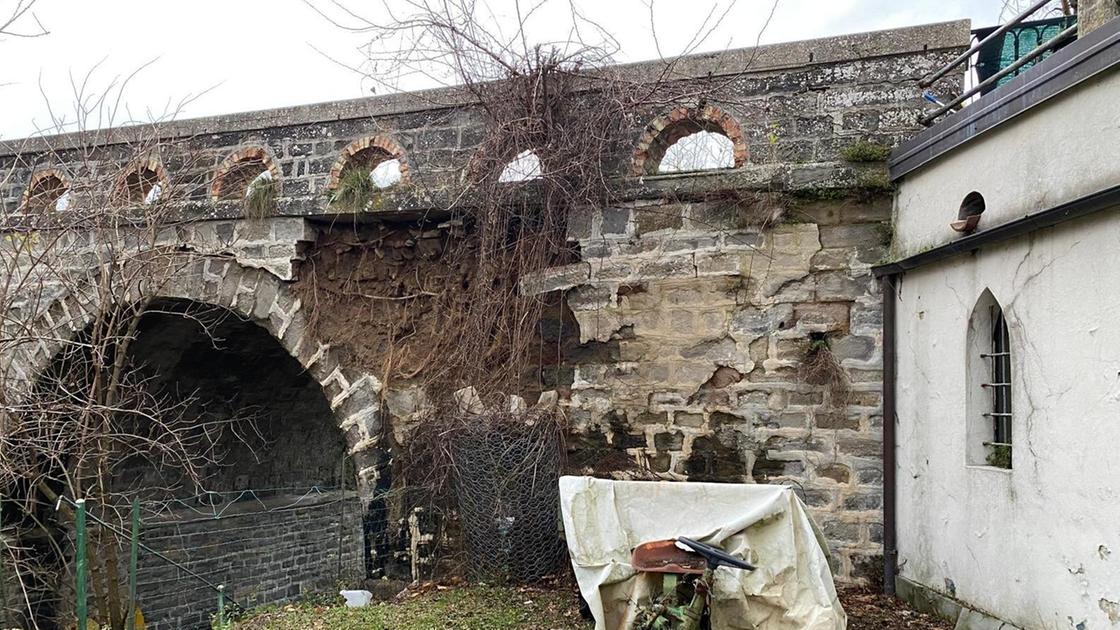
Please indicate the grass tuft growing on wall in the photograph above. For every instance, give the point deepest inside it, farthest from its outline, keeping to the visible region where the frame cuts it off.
(261, 200)
(354, 191)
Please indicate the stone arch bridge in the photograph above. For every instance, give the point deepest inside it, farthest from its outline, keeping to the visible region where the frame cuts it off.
(693, 322)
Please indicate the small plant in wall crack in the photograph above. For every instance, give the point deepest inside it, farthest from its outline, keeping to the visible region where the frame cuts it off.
(821, 367)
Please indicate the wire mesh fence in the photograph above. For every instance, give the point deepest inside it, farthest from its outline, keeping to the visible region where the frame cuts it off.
(506, 471)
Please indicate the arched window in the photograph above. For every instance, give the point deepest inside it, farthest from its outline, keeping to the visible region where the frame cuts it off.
(989, 400)
(690, 140)
(364, 167)
(700, 151)
(524, 167)
(143, 183)
(378, 166)
(240, 171)
(48, 190)
(249, 175)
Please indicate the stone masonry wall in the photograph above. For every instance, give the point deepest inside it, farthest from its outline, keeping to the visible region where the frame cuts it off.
(796, 103)
(713, 321)
(261, 557)
(714, 287)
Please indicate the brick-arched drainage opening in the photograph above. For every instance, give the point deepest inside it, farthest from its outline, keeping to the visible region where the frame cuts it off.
(312, 412)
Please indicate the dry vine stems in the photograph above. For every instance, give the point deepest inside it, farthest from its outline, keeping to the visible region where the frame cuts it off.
(561, 105)
(81, 416)
(449, 311)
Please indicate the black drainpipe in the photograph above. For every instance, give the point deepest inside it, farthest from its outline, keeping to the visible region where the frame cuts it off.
(890, 539)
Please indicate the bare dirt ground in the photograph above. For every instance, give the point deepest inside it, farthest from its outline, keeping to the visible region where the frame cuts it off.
(869, 610)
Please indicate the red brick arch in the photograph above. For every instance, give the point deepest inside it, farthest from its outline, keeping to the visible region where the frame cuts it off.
(665, 130)
(38, 178)
(151, 163)
(378, 143)
(227, 171)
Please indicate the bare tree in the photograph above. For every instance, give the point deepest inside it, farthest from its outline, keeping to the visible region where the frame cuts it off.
(556, 117)
(555, 120)
(85, 255)
(11, 25)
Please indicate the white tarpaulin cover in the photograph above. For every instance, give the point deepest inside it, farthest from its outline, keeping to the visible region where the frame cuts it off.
(767, 525)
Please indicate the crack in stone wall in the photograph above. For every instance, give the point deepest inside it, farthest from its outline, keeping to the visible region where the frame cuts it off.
(691, 323)
(712, 321)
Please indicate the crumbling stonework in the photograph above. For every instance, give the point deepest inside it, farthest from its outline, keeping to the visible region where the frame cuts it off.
(712, 321)
(698, 296)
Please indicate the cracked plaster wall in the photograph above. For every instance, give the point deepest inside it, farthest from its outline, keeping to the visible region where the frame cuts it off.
(1036, 545)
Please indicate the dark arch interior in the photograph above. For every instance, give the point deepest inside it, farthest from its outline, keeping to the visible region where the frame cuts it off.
(366, 160)
(972, 205)
(138, 183)
(235, 182)
(45, 192)
(279, 434)
(209, 365)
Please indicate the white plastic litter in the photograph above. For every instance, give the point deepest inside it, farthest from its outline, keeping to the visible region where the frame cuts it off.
(357, 599)
(767, 525)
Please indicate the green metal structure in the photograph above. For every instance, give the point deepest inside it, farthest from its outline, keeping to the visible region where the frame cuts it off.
(1005, 50)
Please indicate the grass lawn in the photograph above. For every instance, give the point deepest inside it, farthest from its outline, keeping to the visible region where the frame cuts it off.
(460, 608)
(495, 608)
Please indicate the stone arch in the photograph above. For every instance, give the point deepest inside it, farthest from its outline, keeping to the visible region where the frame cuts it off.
(264, 306)
(665, 130)
(370, 151)
(50, 182)
(259, 297)
(138, 179)
(238, 169)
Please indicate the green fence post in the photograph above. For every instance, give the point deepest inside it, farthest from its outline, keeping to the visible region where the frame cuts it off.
(80, 564)
(221, 606)
(133, 561)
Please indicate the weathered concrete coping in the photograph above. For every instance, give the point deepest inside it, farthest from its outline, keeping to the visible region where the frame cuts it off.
(769, 58)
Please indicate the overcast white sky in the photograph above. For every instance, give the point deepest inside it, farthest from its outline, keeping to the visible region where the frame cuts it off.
(259, 54)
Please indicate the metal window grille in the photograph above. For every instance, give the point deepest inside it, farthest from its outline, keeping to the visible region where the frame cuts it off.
(1000, 385)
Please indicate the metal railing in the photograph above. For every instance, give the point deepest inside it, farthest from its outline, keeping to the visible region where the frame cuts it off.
(187, 550)
(1064, 36)
(81, 573)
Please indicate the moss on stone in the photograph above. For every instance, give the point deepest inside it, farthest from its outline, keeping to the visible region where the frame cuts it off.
(874, 181)
(865, 151)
